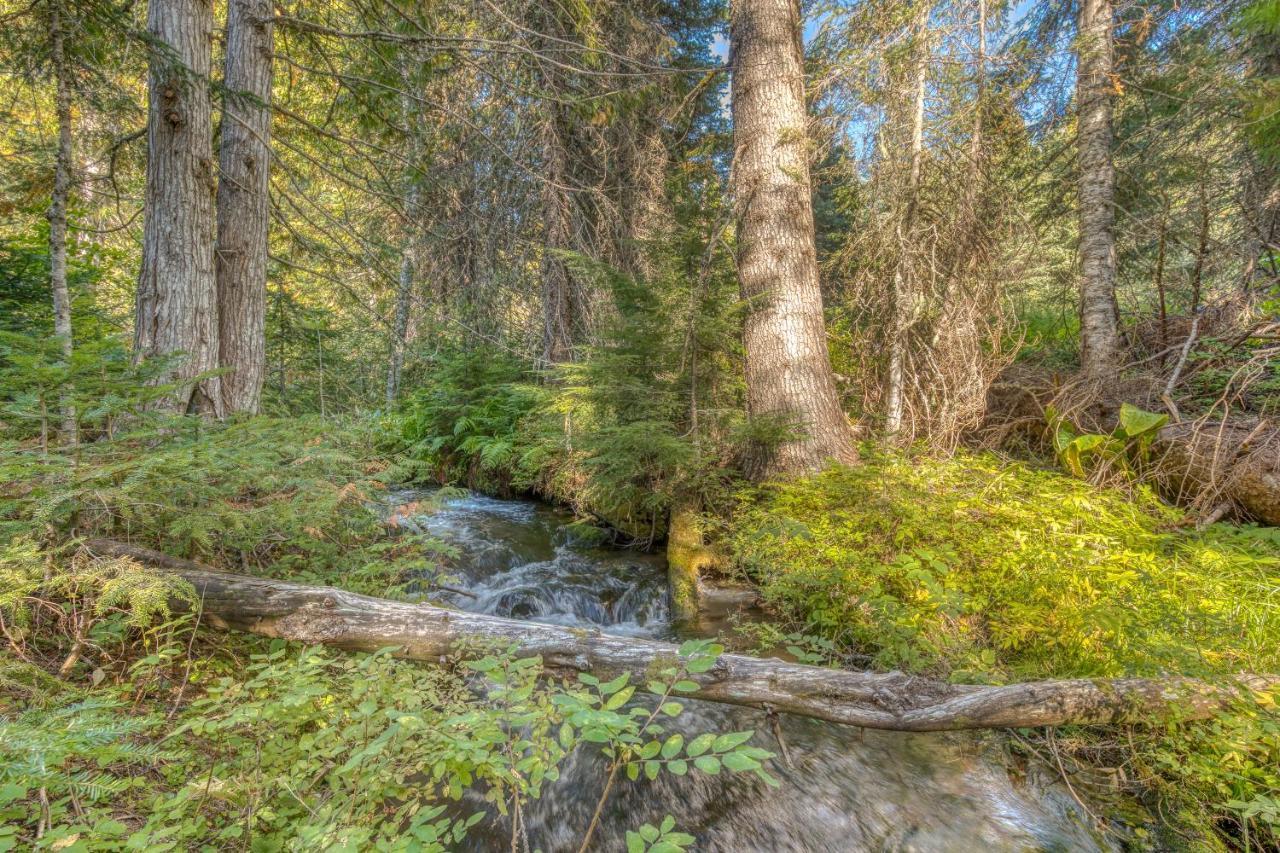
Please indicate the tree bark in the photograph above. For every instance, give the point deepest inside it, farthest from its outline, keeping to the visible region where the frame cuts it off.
(176, 303)
(400, 327)
(890, 700)
(904, 293)
(788, 366)
(244, 204)
(409, 257)
(1100, 347)
(557, 303)
(58, 210)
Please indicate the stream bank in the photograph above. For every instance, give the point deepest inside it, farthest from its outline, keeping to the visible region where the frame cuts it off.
(845, 789)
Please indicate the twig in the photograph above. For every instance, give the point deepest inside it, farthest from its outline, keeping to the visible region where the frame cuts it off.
(1167, 396)
(772, 716)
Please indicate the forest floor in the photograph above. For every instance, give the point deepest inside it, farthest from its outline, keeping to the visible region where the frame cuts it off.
(973, 568)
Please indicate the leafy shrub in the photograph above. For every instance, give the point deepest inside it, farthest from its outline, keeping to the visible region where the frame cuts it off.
(312, 749)
(464, 425)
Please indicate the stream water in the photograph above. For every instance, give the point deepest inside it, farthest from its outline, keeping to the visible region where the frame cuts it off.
(847, 789)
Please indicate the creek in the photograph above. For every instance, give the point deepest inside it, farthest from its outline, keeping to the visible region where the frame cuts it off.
(846, 789)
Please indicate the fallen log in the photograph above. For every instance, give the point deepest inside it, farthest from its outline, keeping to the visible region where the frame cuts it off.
(892, 700)
(1202, 463)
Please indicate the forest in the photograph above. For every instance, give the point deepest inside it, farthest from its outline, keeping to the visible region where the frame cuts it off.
(645, 425)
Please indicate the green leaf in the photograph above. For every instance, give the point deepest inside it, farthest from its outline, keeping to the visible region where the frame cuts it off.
(614, 686)
(1136, 422)
(699, 745)
(726, 742)
(707, 764)
(671, 748)
(679, 767)
(737, 761)
(619, 699)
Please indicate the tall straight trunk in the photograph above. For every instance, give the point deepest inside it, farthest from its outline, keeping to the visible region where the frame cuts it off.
(1100, 349)
(979, 100)
(788, 367)
(409, 253)
(243, 204)
(58, 211)
(557, 302)
(176, 305)
(400, 327)
(903, 293)
(1202, 248)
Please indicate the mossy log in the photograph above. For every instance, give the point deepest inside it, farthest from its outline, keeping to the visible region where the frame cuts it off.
(878, 700)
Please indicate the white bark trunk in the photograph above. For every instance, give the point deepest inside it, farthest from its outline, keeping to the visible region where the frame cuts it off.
(58, 211)
(904, 294)
(1100, 348)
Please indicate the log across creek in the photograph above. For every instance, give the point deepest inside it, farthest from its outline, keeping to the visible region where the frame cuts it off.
(878, 700)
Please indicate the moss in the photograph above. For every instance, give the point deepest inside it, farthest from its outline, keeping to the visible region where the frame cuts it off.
(687, 557)
(978, 569)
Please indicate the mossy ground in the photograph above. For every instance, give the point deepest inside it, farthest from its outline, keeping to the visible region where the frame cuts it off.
(979, 569)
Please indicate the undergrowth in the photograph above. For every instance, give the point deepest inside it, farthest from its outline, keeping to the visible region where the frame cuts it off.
(122, 727)
(982, 570)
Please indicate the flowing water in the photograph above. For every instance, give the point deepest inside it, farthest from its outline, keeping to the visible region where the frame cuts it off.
(847, 789)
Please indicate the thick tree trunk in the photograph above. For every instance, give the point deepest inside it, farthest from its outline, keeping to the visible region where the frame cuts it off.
(243, 204)
(1100, 347)
(891, 700)
(58, 210)
(176, 305)
(788, 367)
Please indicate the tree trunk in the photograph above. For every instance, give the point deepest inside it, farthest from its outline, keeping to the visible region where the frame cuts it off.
(889, 700)
(400, 329)
(244, 204)
(788, 367)
(904, 294)
(557, 304)
(58, 211)
(1099, 326)
(176, 305)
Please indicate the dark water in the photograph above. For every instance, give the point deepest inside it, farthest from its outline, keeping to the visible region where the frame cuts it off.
(848, 790)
